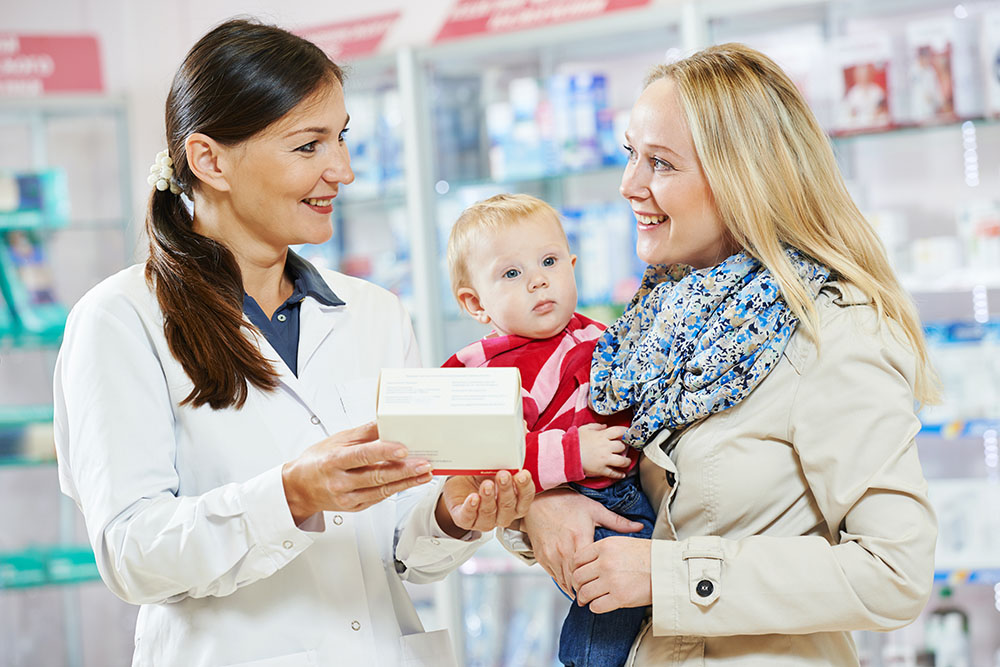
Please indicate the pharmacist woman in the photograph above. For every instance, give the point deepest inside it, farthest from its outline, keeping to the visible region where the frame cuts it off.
(772, 361)
(212, 406)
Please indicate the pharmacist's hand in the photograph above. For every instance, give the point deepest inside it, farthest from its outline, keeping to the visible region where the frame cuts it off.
(614, 573)
(601, 451)
(560, 523)
(484, 503)
(348, 472)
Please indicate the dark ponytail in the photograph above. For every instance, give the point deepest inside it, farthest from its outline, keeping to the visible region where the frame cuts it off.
(236, 81)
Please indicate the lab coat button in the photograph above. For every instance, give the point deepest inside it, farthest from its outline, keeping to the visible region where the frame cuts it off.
(337, 519)
(355, 626)
(435, 541)
(704, 588)
(288, 544)
(281, 317)
(314, 419)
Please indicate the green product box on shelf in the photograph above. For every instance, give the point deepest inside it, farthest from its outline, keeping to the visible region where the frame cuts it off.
(26, 281)
(40, 566)
(22, 569)
(70, 565)
(32, 200)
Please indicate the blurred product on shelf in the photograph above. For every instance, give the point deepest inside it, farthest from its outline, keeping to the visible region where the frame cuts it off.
(560, 124)
(944, 77)
(603, 237)
(967, 540)
(978, 224)
(376, 144)
(865, 84)
(947, 634)
(990, 48)
(967, 358)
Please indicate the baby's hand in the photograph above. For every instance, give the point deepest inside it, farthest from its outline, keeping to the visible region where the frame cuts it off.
(601, 450)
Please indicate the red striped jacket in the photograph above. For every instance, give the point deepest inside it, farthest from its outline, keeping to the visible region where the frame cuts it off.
(555, 378)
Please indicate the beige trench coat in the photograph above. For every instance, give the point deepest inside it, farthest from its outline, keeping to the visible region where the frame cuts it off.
(798, 515)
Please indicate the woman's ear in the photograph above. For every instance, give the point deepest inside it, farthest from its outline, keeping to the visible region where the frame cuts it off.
(469, 300)
(205, 160)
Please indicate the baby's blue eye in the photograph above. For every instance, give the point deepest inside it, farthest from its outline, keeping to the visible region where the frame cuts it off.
(510, 274)
(549, 261)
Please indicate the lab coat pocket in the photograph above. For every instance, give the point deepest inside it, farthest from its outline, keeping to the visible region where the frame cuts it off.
(704, 560)
(358, 399)
(304, 659)
(427, 649)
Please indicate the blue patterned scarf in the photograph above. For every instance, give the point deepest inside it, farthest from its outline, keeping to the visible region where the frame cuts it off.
(694, 342)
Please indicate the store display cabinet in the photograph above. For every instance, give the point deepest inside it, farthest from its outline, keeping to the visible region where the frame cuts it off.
(541, 111)
(64, 225)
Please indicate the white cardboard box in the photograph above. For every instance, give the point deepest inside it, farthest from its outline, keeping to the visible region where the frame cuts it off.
(465, 421)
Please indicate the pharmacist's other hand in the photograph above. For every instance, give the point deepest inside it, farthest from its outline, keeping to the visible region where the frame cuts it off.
(602, 451)
(560, 523)
(483, 503)
(348, 472)
(614, 573)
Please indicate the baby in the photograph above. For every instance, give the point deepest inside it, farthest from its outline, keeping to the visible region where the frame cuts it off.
(511, 267)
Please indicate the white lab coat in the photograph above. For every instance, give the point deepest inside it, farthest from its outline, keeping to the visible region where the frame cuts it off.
(185, 507)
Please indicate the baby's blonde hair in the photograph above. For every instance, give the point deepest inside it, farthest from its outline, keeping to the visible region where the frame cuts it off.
(485, 218)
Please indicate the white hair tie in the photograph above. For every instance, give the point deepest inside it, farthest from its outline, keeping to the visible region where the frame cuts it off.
(161, 174)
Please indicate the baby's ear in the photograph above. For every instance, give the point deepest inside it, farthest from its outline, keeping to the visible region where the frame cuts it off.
(469, 300)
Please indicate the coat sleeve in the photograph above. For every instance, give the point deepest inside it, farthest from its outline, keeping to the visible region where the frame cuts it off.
(116, 446)
(852, 425)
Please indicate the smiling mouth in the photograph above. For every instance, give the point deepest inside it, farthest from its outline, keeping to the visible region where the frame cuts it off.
(651, 220)
(319, 203)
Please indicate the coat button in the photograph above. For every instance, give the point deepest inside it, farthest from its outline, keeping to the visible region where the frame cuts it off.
(314, 419)
(355, 626)
(337, 519)
(704, 588)
(281, 317)
(288, 544)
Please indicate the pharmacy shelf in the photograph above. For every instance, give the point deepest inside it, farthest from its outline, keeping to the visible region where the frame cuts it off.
(957, 577)
(47, 566)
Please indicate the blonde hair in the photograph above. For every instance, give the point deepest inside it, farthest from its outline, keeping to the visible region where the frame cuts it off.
(775, 181)
(485, 218)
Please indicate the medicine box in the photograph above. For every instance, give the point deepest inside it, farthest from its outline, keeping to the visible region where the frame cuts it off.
(465, 421)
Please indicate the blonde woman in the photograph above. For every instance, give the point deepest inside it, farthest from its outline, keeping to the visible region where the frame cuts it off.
(773, 363)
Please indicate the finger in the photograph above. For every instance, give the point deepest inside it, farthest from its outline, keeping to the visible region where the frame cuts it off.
(619, 524)
(360, 499)
(590, 592)
(506, 499)
(358, 434)
(587, 585)
(488, 502)
(466, 515)
(525, 488)
(369, 453)
(592, 427)
(615, 432)
(584, 556)
(619, 461)
(384, 473)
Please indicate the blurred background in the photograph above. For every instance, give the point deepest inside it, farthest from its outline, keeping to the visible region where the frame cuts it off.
(452, 101)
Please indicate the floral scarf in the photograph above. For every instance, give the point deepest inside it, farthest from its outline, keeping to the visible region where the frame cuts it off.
(694, 342)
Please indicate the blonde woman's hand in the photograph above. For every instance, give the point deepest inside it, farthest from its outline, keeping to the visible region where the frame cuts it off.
(560, 523)
(483, 503)
(614, 573)
(348, 472)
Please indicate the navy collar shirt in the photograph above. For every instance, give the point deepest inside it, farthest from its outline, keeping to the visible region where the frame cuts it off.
(282, 330)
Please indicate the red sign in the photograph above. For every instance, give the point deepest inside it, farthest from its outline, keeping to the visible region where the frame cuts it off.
(32, 65)
(351, 39)
(474, 17)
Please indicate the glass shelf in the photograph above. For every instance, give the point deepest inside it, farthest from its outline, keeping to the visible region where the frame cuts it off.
(45, 566)
(554, 177)
(910, 128)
